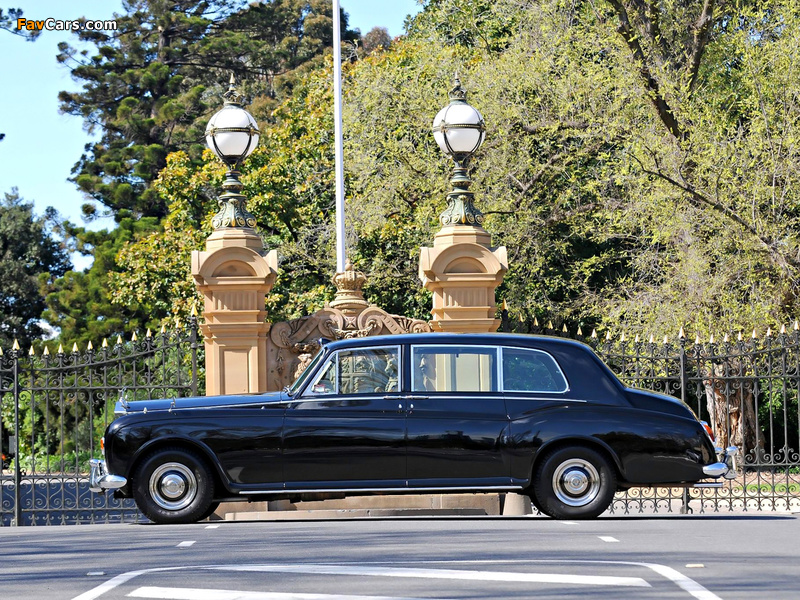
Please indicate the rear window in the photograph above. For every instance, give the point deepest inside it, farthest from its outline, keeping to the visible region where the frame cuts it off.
(531, 371)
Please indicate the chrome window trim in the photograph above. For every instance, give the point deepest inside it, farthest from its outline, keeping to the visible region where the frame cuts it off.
(550, 356)
(498, 372)
(335, 356)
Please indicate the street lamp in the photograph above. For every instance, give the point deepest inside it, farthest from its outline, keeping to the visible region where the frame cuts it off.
(232, 134)
(459, 130)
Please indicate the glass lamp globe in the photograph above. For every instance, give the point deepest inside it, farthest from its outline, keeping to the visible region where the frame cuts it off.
(458, 128)
(232, 133)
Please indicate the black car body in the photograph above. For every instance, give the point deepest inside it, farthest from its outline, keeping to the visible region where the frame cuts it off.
(408, 414)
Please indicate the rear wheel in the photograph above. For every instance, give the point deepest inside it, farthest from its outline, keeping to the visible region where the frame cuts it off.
(173, 485)
(574, 483)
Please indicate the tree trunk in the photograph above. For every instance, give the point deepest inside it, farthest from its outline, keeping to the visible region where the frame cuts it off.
(731, 406)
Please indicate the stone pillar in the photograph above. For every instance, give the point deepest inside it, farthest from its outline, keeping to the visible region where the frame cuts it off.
(235, 273)
(463, 271)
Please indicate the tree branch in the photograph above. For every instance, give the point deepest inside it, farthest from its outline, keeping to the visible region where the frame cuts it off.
(665, 113)
(701, 33)
(778, 258)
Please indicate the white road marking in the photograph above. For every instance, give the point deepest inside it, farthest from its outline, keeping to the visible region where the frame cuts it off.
(459, 574)
(568, 522)
(164, 593)
(212, 526)
(608, 538)
(695, 566)
(689, 585)
(186, 544)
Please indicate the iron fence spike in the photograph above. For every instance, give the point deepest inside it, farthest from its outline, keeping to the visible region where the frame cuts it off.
(608, 336)
(89, 346)
(60, 349)
(622, 337)
(75, 346)
(697, 339)
(549, 324)
(594, 333)
(105, 343)
(681, 333)
(739, 337)
(754, 333)
(564, 329)
(580, 332)
(711, 339)
(652, 338)
(796, 324)
(15, 346)
(535, 322)
(636, 339)
(783, 328)
(149, 333)
(133, 337)
(769, 331)
(31, 352)
(725, 339)
(666, 340)
(194, 308)
(119, 340)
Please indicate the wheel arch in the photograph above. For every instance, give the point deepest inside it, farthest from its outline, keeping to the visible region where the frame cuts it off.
(161, 443)
(586, 442)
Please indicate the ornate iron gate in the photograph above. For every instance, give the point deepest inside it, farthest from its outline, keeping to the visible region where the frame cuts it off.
(747, 390)
(55, 407)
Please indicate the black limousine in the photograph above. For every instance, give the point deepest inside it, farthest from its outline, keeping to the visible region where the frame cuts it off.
(415, 413)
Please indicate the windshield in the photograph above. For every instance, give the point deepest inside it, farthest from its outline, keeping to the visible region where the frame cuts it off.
(292, 389)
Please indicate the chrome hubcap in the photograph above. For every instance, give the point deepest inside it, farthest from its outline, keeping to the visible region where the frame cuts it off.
(576, 482)
(173, 486)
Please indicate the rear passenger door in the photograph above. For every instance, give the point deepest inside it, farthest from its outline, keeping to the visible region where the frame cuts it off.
(456, 420)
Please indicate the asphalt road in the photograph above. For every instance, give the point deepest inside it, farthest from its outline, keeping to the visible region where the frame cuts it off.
(707, 558)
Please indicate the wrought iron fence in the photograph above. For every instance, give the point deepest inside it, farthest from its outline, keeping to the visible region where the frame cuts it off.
(54, 408)
(746, 389)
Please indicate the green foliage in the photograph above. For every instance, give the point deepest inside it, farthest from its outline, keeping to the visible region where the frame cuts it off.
(80, 304)
(151, 85)
(31, 254)
(642, 185)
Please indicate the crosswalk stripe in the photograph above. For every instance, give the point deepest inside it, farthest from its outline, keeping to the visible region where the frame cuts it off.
(461, 575)
(165, 593)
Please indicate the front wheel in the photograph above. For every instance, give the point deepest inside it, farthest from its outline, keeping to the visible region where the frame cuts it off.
(574, 483)
(173, 485)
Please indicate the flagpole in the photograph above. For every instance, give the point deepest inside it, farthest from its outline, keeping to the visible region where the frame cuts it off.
(341, 256)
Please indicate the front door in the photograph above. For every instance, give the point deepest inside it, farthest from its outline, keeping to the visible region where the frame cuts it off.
(457, 422)
(347, 430)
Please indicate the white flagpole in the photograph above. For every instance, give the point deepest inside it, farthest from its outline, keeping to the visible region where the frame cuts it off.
(341, 256)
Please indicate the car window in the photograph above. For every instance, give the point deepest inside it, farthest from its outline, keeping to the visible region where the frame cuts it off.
(453, 369)
(531, 371)
(362, 371)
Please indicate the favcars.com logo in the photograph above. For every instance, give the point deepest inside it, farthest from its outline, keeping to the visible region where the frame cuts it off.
(61, 25)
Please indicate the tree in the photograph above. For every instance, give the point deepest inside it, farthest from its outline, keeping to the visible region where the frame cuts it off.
(79, 303)
(8, 22)
(377, 38)
(30, 255)
(151, 85)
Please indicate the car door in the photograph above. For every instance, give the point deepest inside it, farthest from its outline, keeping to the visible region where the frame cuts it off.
(347, 429)
(457, 422)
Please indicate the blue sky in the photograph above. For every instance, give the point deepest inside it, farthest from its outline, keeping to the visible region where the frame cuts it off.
(41, 146)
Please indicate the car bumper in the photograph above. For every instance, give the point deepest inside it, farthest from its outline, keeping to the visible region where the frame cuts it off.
(725, 465)
(100, 480)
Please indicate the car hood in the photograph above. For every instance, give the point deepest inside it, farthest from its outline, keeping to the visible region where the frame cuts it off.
(124, 407)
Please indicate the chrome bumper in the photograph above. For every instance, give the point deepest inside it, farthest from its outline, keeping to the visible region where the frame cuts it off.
(725, 467)
(100, 480)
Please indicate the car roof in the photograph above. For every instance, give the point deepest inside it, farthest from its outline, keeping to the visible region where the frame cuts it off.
(495, 339)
